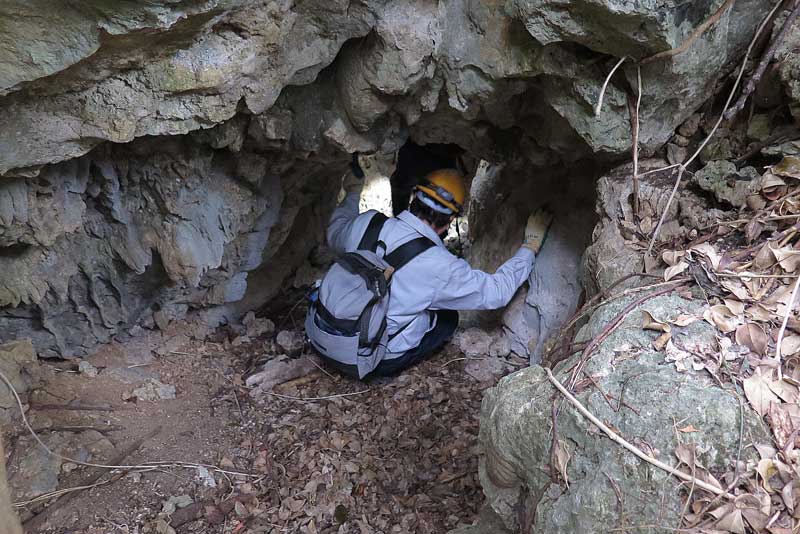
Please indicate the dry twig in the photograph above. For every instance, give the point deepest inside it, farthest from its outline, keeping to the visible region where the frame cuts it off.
(612, 325)
(605, 85)
(616, 438)
(765, 59)
(685, 164)
(692, 37)
(782, 331)
(635, 140)
(314, 399)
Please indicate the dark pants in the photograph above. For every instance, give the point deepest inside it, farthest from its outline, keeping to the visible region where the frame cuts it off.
(446, 323)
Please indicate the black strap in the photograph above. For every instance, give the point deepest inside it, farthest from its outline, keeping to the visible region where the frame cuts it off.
(369, 241)
(407, 252)
(373, 277)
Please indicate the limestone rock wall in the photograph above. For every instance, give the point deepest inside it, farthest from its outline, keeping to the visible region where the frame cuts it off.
(154, 156)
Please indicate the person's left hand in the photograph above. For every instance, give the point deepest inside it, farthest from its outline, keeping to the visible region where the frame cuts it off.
(536, 229)
(352, 183)
(355, 166)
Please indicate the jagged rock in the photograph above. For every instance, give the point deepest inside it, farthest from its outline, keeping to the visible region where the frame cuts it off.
(269, 96)
(727, 183)
(473, 342)
(153, 390)
(500, 347)
(789, 65)
(290, 341)
(619, 240)
(277, 371)
(257, 326)
(17, 361)
(516, 430)
(86, 368)
(487, 369)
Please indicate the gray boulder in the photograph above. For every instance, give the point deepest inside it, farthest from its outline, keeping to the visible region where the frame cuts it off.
(516, 431)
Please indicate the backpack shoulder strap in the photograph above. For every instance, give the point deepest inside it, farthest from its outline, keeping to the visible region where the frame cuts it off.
(407, 252)
(369, 241)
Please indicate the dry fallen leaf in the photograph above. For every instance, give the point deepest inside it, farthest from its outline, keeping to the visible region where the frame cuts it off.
(736, 306)
(729, 519)
(787, 257)
(688, 428)
(788, 166)
(765, 469)
(790, 345)
(753, 337)
(684, 319)
(709, 252)
(561, 458)
(675, 270)
(722, 317)
(661, 341)
(672, 257)
(758, 392)
(651, 323)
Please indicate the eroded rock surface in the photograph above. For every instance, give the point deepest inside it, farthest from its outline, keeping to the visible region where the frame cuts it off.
(156, 156)
(516, 430)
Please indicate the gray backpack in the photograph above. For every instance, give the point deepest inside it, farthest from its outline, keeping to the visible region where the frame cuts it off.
(347, 320)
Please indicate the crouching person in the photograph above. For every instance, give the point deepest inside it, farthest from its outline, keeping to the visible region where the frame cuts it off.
(391, 298)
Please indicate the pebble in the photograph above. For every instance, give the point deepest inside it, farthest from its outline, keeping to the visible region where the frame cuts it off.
(290, 341)
(86, 368)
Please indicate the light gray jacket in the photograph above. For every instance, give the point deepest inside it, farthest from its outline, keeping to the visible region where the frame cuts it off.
(434, 280)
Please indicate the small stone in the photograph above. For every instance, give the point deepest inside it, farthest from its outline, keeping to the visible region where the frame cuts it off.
(86, 368)
(240, 340)
(487, 370)
(473, 342)
(161, 319)
(690, 125)
(256, 326)
(152, 391)
(758, 130)
(680, 140)
(68, 467)
(175, 502)
(675, 154)
(290, 341)
(500, 347)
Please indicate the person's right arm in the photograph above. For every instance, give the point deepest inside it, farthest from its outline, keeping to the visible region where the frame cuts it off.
(342, 220)
(466, 288)
(472, 289)
(345, 213)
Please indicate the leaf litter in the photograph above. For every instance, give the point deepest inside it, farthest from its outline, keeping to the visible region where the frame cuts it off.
(749, 266)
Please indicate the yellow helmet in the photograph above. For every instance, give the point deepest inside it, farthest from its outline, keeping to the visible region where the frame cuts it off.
(446, 187)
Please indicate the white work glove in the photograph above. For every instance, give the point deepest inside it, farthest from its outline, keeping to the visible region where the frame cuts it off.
(351, 183)
(536, 229)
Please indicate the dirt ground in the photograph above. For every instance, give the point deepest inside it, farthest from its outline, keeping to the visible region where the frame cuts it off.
(396, 455)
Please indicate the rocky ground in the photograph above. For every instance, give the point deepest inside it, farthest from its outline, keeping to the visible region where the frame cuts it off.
(319, 453)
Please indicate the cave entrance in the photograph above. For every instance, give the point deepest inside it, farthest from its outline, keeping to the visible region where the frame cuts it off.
(390, 178)
(502, 195)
